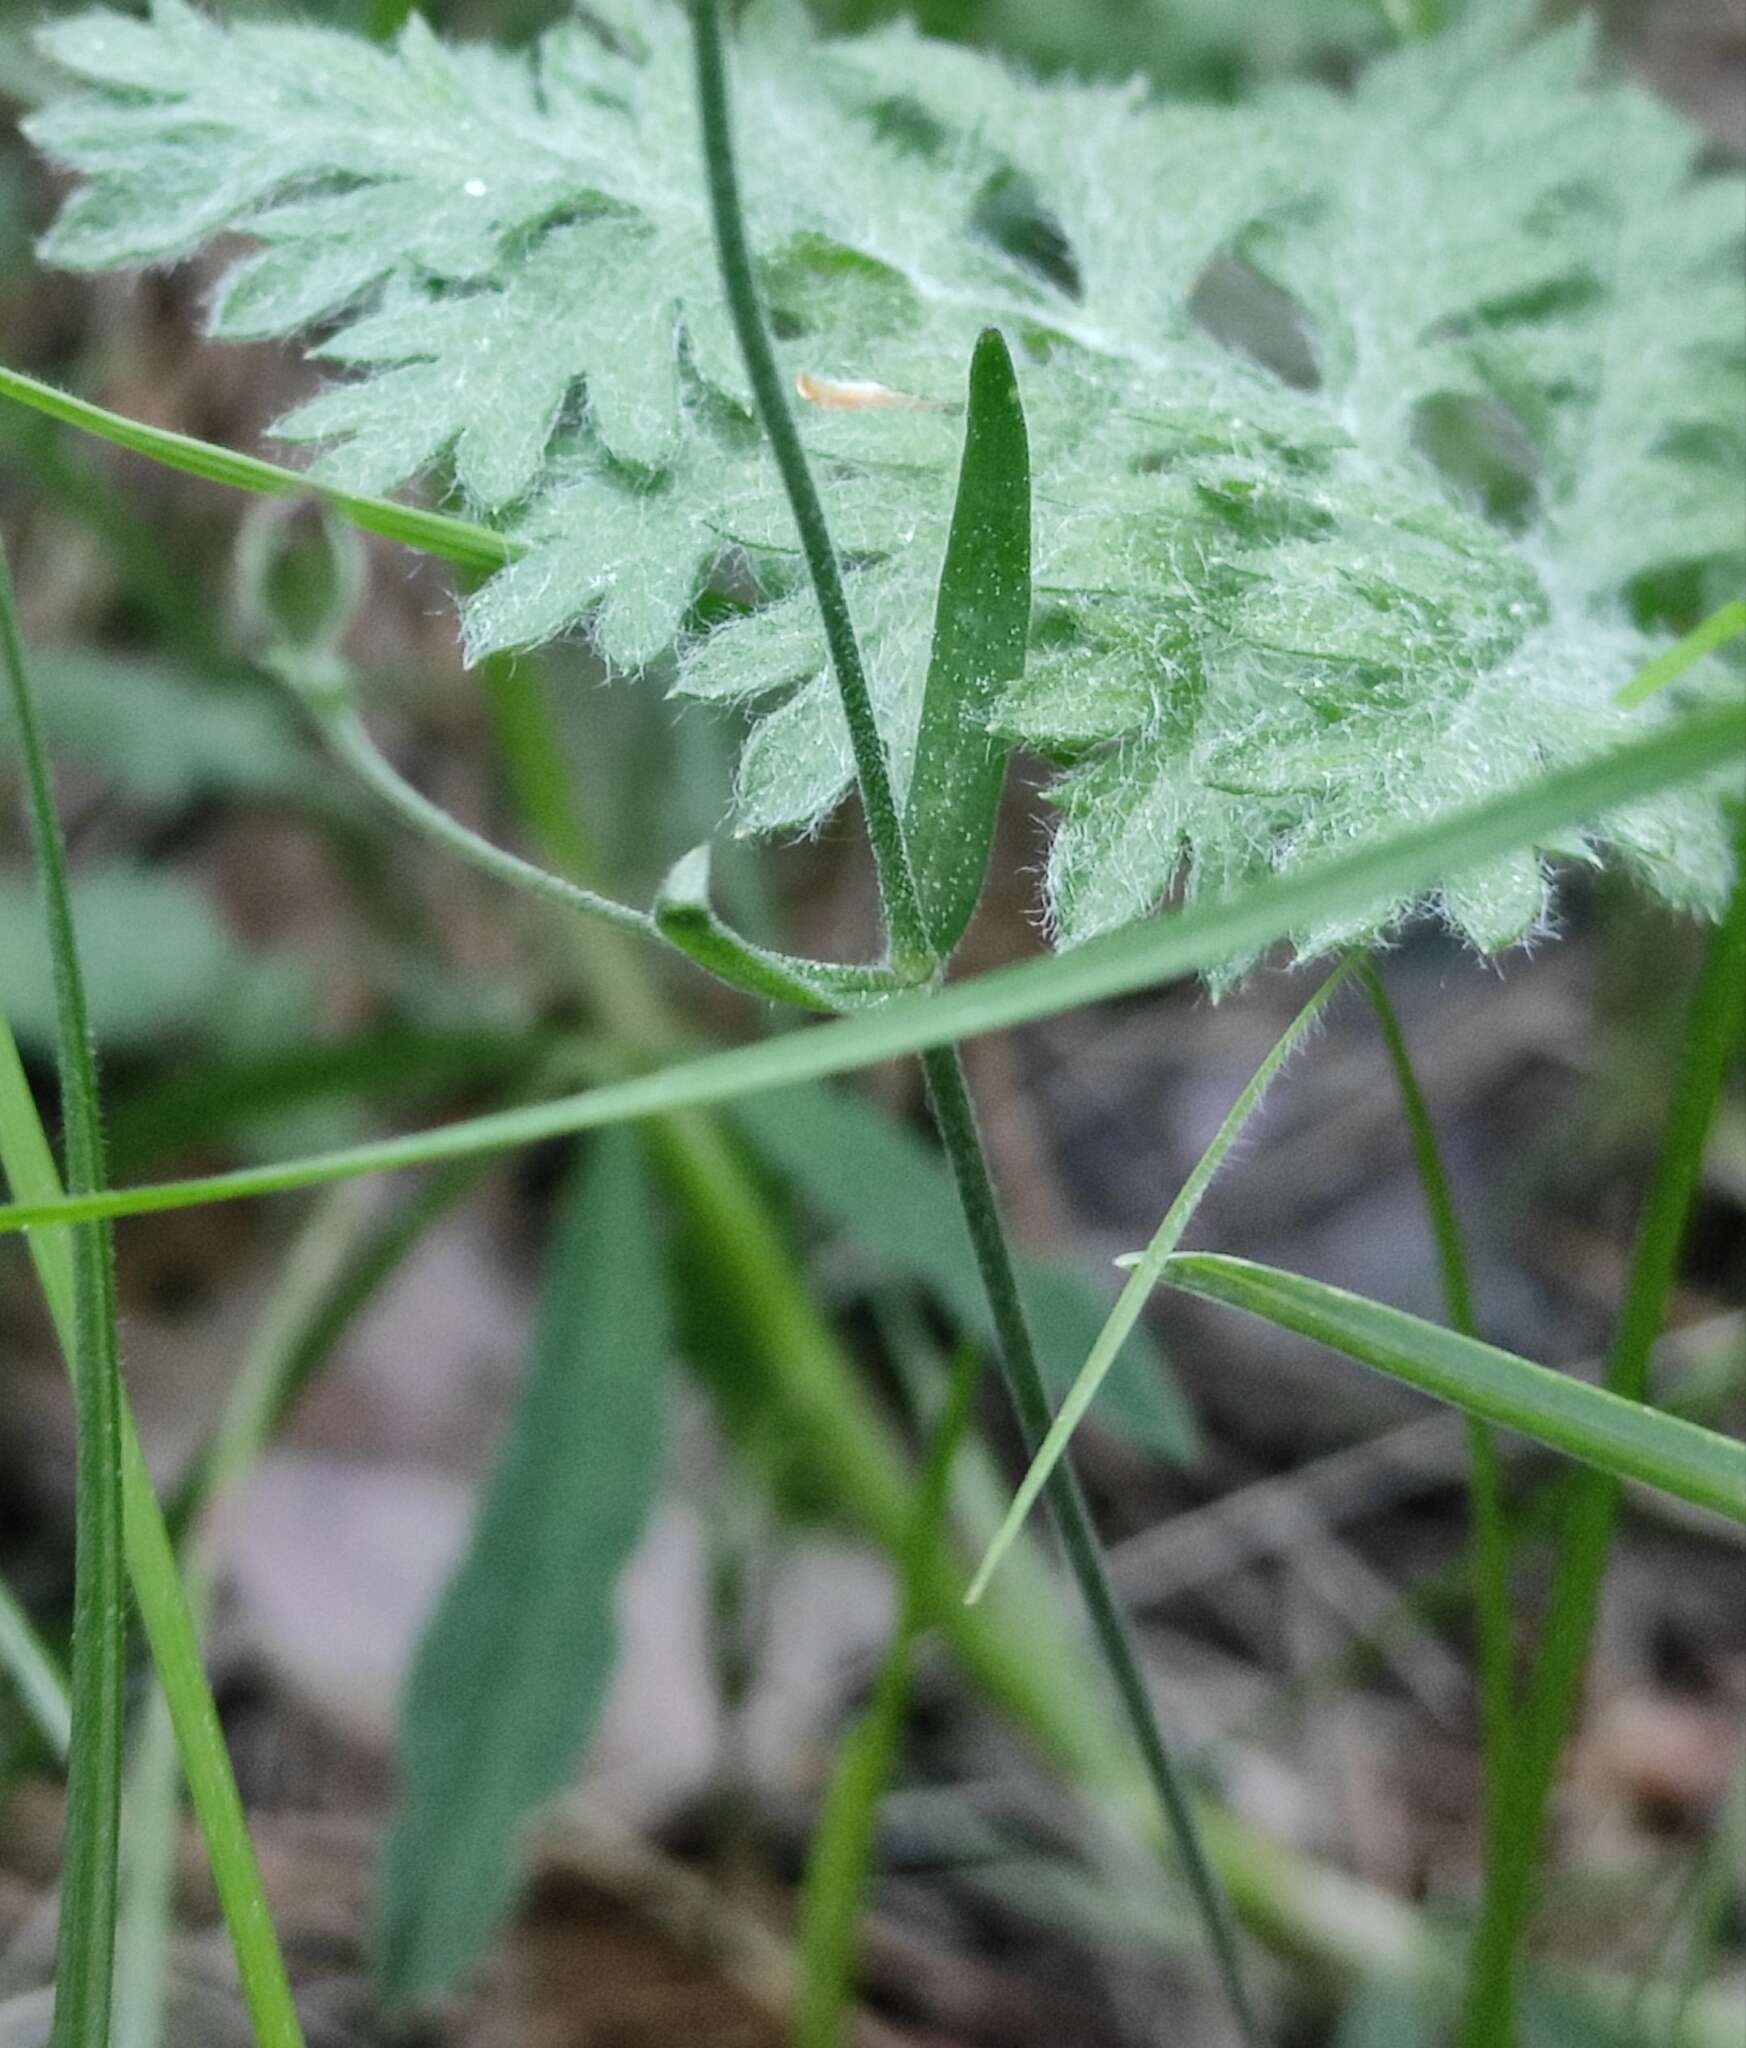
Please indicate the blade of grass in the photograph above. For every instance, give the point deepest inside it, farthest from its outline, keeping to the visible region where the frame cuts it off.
(1727, 623)
(834, 1895)
(1712, 1040)
(1161, 950)
(1143, 1280)
(85, 1951)
(298, 1308)
(788, 1362)
(1490, 1531)
(29, 1169)
(35, 1676)
(1618, 1436)
(148, 1869)
(431, 533)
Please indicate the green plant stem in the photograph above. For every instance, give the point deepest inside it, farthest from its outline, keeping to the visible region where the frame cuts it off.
(346, 734)
(753, 1268)
(955, 1116)
(85, 1953)
(1160, 949)
(157, 1590)
(1491, 1537)
(912, 952)
(1148, 1270)
(906, 928)
(1712, 1038)
(685, 920)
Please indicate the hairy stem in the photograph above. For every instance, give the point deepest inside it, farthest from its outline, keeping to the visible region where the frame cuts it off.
(906, 929)
(955, 1116)
(948, 1091)
(1491, 1535)
(85, 1954)
(346, 734)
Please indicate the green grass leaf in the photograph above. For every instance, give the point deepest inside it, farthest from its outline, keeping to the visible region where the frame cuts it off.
(467, 545)
(1616, 1436)
(35, 1677)
(85, 1949)
(1117, 1332)
(515, 1664)
(891, 1194)
(1726, 623)
(1696, 747)
(982, 624)
(1710, 1045)
(30, 1172)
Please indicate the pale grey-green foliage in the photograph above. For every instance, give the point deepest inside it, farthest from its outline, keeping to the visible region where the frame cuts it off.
(1275, 613)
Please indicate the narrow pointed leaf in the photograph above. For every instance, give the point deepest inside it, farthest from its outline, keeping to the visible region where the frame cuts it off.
(33, 1675)
(1149, 1264)
(981, 626)
(1614, 1435)
(1723, 625)
(511, 1674)
(28, 1168)
(1696, 747)
(433, 533)
(839, 1870)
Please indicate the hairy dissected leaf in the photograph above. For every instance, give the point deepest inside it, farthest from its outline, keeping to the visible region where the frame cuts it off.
(1365, 427)
(158, 964)
(894, 1199)
(514, 1667)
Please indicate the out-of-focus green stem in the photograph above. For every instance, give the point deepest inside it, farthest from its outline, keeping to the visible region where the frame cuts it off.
(1712, 1039)
(1491, 1534)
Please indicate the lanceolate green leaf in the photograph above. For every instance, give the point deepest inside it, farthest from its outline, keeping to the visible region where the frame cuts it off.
(1624, 1438)
(513, 1669)
(982, 622)
(1723, 625)
(1696, 746)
